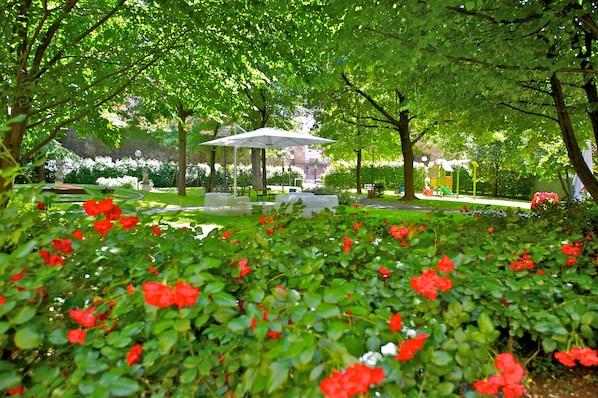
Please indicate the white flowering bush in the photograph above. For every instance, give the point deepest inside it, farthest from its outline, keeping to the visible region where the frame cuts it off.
(120, 182)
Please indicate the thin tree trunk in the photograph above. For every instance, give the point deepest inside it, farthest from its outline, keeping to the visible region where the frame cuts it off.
(358, 170)
(408, 157)
(573, 150)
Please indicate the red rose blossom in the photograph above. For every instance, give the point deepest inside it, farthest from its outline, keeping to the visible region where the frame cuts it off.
(76, 336)
(185, 295)
(157, 294)
(134, 354)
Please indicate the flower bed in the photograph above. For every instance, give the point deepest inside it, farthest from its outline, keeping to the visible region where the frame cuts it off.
(101, 302)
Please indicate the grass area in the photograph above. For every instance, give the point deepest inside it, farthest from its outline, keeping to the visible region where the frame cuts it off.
(164, 198)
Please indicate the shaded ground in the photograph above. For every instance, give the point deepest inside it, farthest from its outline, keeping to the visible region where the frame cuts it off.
(578, 382)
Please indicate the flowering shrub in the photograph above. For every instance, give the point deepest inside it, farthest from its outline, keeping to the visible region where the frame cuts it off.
(119, 182)
(101, 301)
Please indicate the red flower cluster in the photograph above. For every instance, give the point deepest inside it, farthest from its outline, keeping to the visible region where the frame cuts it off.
(401, 233)
(523, 264)
(76, 336)
(408, 349)
(160, 295)
(84, 318)
(62, 245)
(573, 251)
(428, 282)
(512, 374)
(134, 354)
(111, 213)
(585, 356)
(50, 258)
(356, 226)
(347, 242)
(244, 269)
(541, 198)
(396, 322)
(356, 379)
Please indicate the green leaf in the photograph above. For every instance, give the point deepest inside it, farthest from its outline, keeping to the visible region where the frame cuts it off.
(441, 358)
(124, 387)
(9, 380)
(325, 310)
(189, 376)
(25, 249)
(27, 338)
(58, 337)
(167, 341)
(279, 373)
(485, 323)
(23, 315)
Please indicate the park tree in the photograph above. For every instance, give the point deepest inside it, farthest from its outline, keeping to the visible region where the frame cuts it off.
(533, 62)
(64, 62)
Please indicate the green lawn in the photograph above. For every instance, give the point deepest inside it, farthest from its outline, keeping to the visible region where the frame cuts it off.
(164, 198)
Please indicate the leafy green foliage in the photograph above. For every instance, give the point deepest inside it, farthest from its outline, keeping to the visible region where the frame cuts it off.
(314, 300)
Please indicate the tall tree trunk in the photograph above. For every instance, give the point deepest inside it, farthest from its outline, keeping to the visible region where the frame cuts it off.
(181, 180)
(581, 168)
(10, 152)
(212, 177)
(182, 114)
(408, 157)
(358, 170)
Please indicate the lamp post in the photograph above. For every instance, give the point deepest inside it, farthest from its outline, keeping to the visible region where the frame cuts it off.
(282, 158)
(138, 156)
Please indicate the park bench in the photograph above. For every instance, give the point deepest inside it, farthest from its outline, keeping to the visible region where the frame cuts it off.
(264, 194)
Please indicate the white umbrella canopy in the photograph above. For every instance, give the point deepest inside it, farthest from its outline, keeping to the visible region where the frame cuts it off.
(266, 137)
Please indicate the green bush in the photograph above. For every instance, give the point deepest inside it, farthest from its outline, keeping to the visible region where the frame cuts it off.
(99, 303)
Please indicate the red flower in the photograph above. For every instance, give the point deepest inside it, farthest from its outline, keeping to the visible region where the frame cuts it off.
(155, 230)
(244, 268)
(157, 294)
(62, 245)
(408, 349)
(128, 223)
(110, 211)
(585, 356)
(396, 322)
(512, 373)
(130, 288)
(400, 232)
(103, 226)
(523, 264)
(227, 235)
(356, 206)
(356, 379)
(41, 206)
(16, 391)
(489, 387)
(571, 250)
(76, 336)
(2, 300)
(570, 261)
(356, 226)
(185, 295)
(427, 283)
(490, 230)
(153, 270)
(78, 234)
(347, 244)
(384, 272)
(51, 259)
(91, 208)
(445, 265)
(134, 354)
(84, 318)
(18, 276)
(269, 231)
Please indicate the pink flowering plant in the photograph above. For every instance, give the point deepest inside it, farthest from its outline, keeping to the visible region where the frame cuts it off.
(103, 301)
